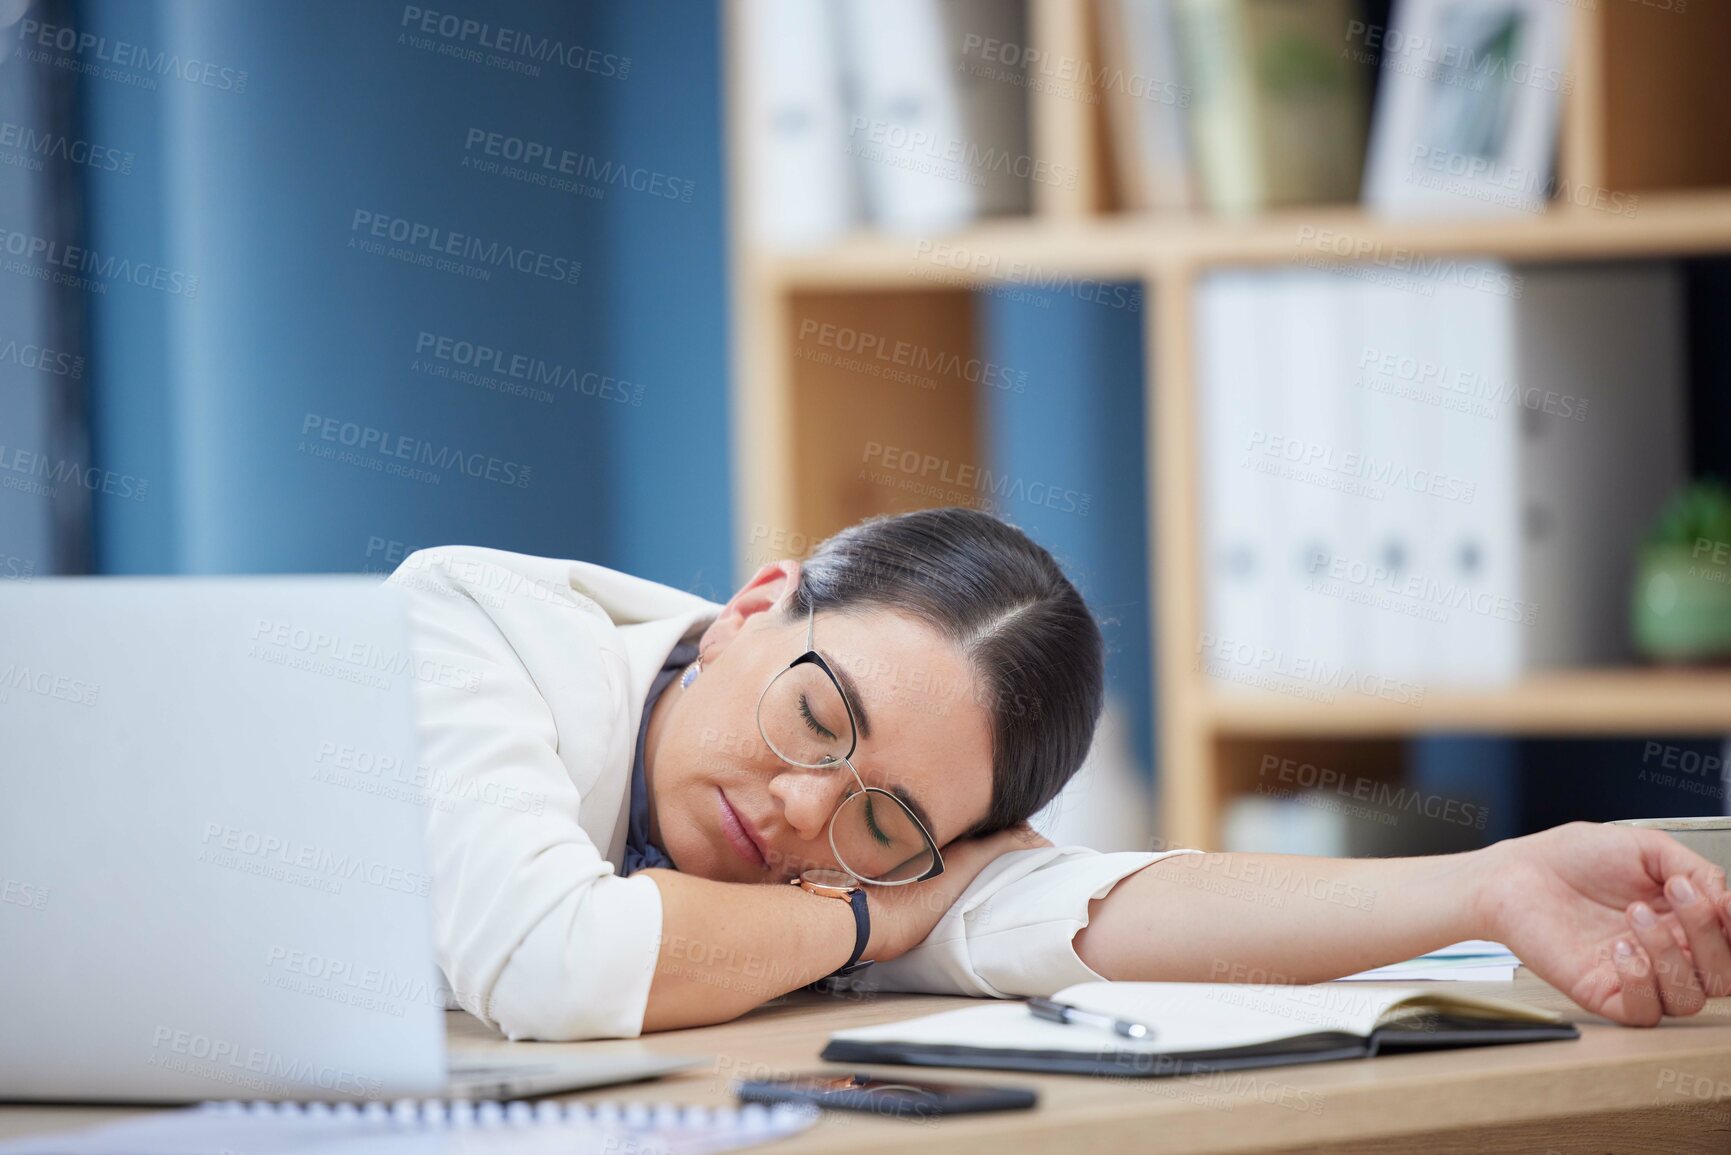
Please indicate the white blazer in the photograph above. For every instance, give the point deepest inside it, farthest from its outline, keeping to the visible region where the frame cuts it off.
(535, 730)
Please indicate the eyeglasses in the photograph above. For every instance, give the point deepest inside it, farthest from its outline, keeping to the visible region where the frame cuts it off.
(807, 721)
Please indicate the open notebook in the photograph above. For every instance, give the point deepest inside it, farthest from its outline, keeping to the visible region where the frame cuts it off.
(1201, 1027)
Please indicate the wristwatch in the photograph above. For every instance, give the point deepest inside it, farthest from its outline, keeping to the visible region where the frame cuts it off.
(837, 884)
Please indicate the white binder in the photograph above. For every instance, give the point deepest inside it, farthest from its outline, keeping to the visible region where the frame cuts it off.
(1478, 542)
(905, 134)
(1310, 340)
(1236, 408)
(796, 115)
(1395, 545)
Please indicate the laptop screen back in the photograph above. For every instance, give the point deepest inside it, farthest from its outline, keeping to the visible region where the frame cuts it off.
(212, 881)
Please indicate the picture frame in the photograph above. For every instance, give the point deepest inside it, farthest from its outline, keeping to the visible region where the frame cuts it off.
(1468, 108)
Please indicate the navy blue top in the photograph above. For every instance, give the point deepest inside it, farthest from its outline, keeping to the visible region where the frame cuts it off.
(640, 852)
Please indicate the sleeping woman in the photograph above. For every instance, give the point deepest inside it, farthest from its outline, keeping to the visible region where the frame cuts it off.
(667, 811)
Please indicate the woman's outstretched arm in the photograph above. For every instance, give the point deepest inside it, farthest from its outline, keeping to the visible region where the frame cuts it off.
(1275, 918)
(1625, 921)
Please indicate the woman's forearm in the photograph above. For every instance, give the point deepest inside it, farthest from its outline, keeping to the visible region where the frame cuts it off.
(1279, 918)
(727, 947)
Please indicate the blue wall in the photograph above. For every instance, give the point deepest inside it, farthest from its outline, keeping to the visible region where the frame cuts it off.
(30, 396)
(665, 306)
(253, 187)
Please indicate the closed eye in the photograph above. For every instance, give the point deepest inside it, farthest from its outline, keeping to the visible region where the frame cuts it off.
(811, 722)
(872, 824)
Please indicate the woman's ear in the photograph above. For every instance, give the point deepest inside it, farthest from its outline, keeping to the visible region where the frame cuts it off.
(768, 591)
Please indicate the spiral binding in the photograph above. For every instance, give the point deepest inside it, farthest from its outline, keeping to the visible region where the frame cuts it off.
(460, 1113)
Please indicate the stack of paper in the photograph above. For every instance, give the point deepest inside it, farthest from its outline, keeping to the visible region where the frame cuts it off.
(1474, 961)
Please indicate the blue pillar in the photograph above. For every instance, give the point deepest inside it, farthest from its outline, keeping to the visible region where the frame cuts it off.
(1068, 437)
(238, 399)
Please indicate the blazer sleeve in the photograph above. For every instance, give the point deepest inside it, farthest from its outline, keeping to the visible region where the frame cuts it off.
(536, 933)
(1010, 934)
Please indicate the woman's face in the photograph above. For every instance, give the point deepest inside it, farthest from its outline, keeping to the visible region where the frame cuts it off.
(725, 807)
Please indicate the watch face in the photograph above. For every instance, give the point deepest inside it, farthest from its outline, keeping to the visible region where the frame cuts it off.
(826, 877)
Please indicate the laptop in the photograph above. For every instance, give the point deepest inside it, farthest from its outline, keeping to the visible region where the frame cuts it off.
(212, 878)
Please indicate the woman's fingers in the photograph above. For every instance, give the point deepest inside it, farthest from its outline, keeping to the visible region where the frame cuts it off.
(1699, 916)
(1679, 987)
(1638, 995)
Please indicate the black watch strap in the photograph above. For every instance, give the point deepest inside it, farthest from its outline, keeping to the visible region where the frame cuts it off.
(862, 933)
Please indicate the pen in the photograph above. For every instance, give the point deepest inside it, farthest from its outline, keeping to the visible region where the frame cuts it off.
(1065, 1013)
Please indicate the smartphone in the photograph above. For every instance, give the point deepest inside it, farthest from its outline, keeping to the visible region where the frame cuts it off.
(895, 1098)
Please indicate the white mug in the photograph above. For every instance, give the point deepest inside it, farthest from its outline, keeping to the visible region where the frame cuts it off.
(1709, 836)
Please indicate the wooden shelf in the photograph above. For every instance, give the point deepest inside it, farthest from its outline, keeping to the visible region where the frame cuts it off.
(1635, 702)
(1033, 253)
(1643, 119)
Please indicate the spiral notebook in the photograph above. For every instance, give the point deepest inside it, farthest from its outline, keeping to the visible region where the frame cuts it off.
(432, 1127)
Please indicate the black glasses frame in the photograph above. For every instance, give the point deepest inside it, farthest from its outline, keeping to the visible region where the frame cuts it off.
(812, 658)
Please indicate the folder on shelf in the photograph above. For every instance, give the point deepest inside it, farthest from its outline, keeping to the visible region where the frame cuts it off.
(1389, 549)
(935, 144)
(1147, 104)
(1436, 481)
(1470, 485)
(1487, 548)
(1310, 342)
(1239, 501)
(986, 64)
(796, 116)
(1278, 111)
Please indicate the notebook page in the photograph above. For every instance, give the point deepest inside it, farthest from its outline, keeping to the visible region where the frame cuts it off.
(1471, 1006)
(993, 1026)
(1320, 1007)
(1218, 1015)
(1186, 1017)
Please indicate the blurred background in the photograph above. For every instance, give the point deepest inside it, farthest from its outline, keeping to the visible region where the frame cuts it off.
(1367, 366)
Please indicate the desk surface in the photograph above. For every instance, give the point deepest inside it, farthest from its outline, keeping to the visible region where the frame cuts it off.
(1665, 1091)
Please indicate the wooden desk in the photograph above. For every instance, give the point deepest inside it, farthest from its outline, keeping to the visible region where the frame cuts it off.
(1663, 1092)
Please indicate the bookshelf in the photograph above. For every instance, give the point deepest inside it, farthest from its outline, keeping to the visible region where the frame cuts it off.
(1645, 117)
(1665, 224)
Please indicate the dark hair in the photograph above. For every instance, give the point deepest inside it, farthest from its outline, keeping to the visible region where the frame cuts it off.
(1007, 606)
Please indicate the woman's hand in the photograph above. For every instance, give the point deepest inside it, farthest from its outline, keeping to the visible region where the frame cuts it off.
(1626, 921)
(902, 916)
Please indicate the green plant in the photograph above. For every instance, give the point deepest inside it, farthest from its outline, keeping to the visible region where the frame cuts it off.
(1681, 609)
(1698, 517)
